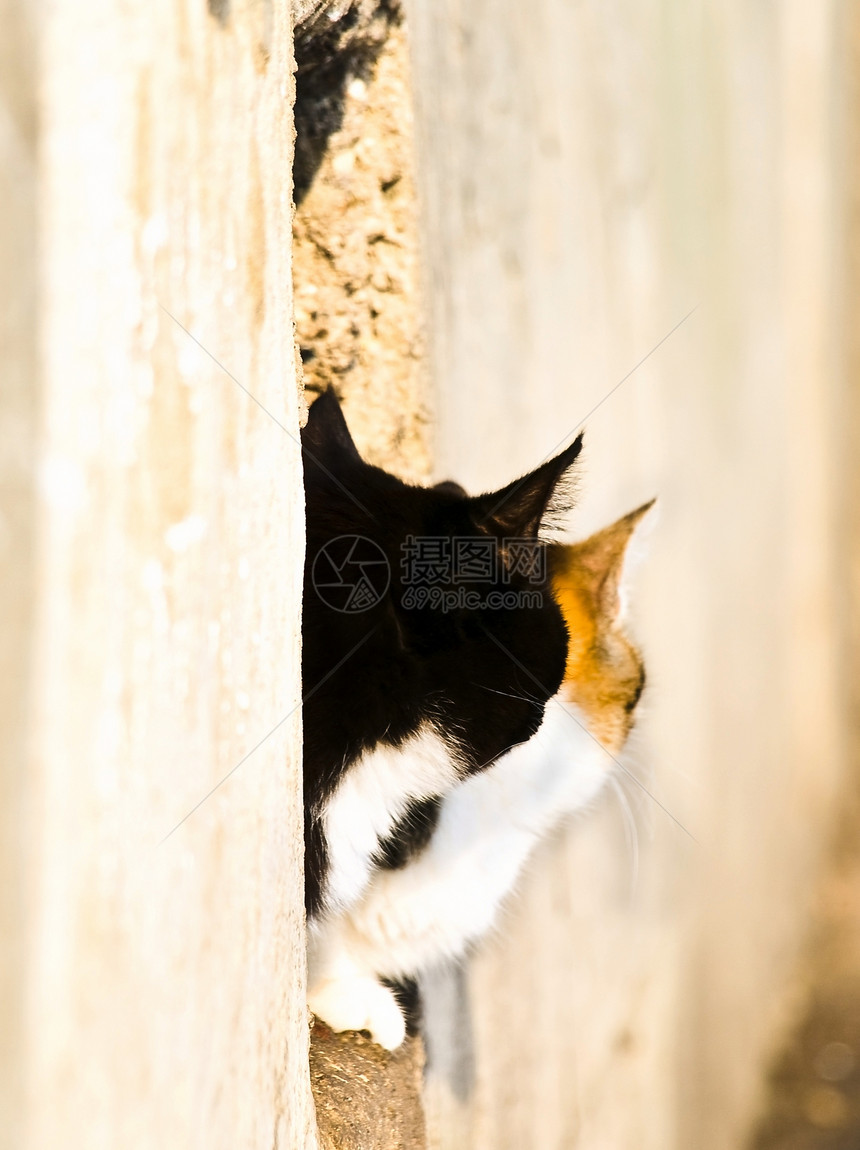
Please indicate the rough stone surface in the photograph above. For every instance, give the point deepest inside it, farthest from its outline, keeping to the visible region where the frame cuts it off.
(336, 42)
(366, 1098)
(356, 271)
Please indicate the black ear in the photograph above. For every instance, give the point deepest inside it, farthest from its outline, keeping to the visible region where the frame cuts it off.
(518, 509)
(325, 437)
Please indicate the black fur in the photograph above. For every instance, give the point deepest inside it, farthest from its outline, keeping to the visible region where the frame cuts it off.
(408, 995)
(374, 677)
(410, 836)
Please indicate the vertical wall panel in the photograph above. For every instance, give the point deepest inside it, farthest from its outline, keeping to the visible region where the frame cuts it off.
(160, 967)
(590, 174)
(18, 416)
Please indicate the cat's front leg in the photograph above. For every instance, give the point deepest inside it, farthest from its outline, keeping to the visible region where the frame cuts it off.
(360, 1003)
(346, 997)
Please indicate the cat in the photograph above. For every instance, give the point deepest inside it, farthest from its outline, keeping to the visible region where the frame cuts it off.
(427, 907)
(402, 702)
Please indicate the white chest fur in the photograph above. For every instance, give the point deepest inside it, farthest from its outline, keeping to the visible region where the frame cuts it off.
(400, 923)
(488, 826)
(373, 795)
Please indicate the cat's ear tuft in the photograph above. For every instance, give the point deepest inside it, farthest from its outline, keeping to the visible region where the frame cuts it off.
(602, 560)
(326, 440)
(519, 510)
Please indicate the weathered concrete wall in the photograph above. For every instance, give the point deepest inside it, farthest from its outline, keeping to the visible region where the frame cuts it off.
(590, 173)
(154, 980)
(18, 414)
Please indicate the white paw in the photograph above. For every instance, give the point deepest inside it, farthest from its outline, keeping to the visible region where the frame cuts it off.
(359, 1004)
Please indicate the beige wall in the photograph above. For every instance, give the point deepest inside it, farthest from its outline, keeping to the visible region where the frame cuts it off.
(590, 173)
(152, 990)
(18, 413)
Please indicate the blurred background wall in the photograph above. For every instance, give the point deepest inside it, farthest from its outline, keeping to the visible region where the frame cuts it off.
(151, 545)
(590, 174)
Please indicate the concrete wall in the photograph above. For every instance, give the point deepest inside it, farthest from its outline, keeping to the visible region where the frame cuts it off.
(151, 986)
(590, 173)
(18, 413)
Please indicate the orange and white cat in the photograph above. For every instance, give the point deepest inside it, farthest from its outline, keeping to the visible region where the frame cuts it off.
(447, 896)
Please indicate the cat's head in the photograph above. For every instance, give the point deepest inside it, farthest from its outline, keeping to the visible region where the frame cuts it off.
(453, 620)
(605, 674)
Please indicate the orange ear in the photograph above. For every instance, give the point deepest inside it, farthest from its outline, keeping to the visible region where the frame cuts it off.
(599, 560)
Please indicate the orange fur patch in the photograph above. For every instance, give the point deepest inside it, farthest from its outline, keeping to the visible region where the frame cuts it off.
(604, 673)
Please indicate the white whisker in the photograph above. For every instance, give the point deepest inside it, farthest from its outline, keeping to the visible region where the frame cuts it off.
(631, 831)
